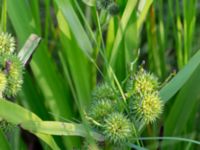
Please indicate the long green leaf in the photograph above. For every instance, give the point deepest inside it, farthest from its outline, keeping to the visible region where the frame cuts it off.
(78, 63)
(77, 29)
(15, 114)
(130, 6)
(59, 128)
(184, 105)
(170, 89)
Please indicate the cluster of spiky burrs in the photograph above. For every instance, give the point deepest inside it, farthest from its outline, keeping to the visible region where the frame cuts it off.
(118, 122)
(145, 104)
(107, 117)
(11, 68)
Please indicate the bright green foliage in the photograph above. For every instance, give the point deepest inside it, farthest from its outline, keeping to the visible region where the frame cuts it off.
(88, 41)
(13, 70)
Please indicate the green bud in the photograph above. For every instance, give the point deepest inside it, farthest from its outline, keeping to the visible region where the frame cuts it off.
(117, 129)
(7, 43)
(13, 68)
(147, 108)
(103, 91)
(145, 82)
(100, 109)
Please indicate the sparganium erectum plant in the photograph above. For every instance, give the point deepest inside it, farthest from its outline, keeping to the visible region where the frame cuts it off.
(119, 124)
(11, 73)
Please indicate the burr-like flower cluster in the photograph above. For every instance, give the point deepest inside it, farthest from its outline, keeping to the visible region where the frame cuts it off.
(145, 104)
(117, 120)
(11, 68)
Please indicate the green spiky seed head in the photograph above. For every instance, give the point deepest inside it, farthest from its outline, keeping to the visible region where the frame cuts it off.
(148, 108)
(100, 109)
(13, 69)
(7, 43)
(145, 82)
(103, 91)
(117, 128)
(3, 82)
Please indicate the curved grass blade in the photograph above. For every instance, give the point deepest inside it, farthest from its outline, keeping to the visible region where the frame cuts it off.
(59, 128)
(75, 26)
(170, 89)
(16, 114)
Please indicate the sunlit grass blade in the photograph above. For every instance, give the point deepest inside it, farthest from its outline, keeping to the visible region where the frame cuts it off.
(59, 128)
(15, 114)
(90, 2)
(75, 25)
(77, 61)
(143, 10)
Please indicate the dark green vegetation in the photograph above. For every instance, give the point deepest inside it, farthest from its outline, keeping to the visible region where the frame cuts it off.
(83, 45)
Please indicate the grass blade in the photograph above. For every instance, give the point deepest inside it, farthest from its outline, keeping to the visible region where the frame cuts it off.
(180, 79)
(75, 25)
(15, 114)
(59, 128)
(130, 6)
